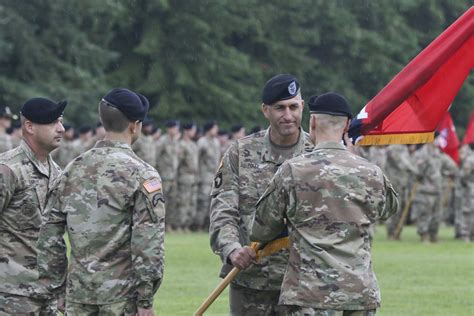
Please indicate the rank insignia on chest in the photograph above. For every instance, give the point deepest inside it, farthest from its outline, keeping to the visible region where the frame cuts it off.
(152, 185)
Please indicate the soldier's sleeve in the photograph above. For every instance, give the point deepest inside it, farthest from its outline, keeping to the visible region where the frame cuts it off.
(449, 167)
(147, 244)
(52, 259)
(391, 200)
(225, 216)
(269, 219)
(7, 186)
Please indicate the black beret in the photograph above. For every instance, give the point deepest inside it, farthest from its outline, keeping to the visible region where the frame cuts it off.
(67, 126)
(84, 129)
(42, 111)
(236, 128)
(171, 123)
(330, 103)
(188, 126)
(280, 87)
(209, 125)
(133, 105)
(6, 112)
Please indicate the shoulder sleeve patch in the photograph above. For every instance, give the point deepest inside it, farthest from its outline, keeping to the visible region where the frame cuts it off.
(152, 185)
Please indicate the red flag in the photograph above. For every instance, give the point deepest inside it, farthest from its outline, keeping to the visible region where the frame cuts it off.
(409, 108)
(448, 140)
(469, 135)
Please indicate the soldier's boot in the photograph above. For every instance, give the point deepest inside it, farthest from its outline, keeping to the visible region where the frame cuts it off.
(424, 238)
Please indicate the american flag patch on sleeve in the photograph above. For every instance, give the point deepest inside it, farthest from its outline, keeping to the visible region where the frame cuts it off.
(152, 185)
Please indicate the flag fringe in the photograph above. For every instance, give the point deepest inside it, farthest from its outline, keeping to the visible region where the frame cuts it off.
(387, 139)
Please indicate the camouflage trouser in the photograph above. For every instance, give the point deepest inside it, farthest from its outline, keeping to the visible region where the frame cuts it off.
(21, 305)
(169, 191)
(204, 203)
(428, 211)
(250, 302)
(125, 308)
(186, 204)
(308, 311)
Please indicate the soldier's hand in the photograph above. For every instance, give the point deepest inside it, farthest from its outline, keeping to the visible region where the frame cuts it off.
(242, 257)
(145, 312)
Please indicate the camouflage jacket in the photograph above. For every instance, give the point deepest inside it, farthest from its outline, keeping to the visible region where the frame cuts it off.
(111, 204)
(145, 148)
(399, 166)
(329, 198)
(246, 169)
(209, 156)
(433, 165)
(24, 185)
(188, 162)
(166, 157)
(5, 143)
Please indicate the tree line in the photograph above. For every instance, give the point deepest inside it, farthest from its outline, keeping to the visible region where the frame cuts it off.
(208, 59)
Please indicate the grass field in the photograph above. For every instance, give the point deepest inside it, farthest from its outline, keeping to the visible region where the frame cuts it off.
(415, 278)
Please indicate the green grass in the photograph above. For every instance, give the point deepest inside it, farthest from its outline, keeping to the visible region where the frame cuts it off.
(415, 278)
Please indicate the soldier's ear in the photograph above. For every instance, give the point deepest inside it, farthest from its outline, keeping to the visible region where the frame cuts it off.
(265, 110)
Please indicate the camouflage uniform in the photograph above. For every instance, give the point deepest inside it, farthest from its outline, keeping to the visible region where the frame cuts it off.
(111, 203)
(187, 183)
(399, 168)
(65, 153)
(245, 171)
(466, 220)
(167, 165)
(464, 153)
(145, 148)
(5, 143)
(329, 197)
(427, 203)
(25, 182)
(209, 156)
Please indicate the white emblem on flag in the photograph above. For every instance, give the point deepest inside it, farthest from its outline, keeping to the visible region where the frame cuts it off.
(363, 114)
(292, 88)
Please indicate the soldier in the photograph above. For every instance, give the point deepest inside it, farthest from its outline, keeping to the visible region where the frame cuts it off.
(26, 174)
(67, 151)
(16, 134)
(224, 141)
(466, 220)
(167, 164)
(85, 141)
(6, 117)
(144, 147)
(111, 204)
(241, 179)
(209, 156)
(399, 168)
(327, 198)
(238, 131)
(427, 203)
(187, 178)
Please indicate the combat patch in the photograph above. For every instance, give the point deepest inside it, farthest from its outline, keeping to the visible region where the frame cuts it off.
(218, 177)
(152, 185)
(157, 198)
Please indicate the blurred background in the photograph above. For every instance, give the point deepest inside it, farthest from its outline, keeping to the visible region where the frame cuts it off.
(209, 59)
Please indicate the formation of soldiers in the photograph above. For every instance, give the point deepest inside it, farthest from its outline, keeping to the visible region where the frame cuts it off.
(431, 188)
(110, 198)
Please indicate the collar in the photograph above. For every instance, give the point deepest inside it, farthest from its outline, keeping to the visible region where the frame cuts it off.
(330, 145)
(113, 144)
(32, 157)
(268, 153)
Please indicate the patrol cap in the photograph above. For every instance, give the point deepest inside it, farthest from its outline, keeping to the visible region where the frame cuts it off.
(330, 103)
(133, 105)
(280, 87)
(42, 111)
(6, 112)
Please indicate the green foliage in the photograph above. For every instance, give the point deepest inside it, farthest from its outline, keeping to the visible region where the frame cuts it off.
(208, 59)
(415, 278)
